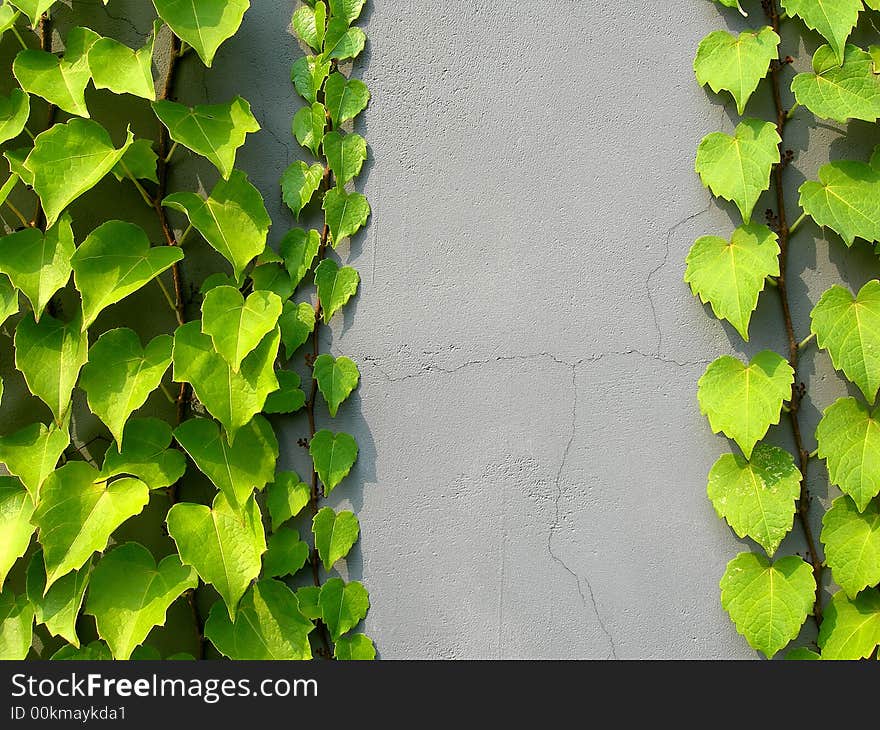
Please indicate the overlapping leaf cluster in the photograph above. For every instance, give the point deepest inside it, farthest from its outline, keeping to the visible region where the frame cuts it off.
(225, 367)
(761, 489)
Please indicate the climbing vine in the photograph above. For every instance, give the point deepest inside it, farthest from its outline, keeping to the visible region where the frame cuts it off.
(119, 428)
(763, 489)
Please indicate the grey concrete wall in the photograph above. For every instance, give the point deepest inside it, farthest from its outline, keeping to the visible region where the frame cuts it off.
(533, 460)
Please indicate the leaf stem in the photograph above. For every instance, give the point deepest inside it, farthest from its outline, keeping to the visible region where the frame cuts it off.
(140, 188)
(183, 236)
(794, 226)
(771, 280)
(18, 37)
(794, 108)
(171, 399)
(168, 297)
(806, 341)
(170, 154)
(24, 221)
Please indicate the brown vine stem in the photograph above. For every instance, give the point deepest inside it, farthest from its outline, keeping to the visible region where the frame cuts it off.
(797, 392)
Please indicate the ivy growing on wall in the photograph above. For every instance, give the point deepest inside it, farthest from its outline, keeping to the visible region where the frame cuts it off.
(761, 489)
(183, 402)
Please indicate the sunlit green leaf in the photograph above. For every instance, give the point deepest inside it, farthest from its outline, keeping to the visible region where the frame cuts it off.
(335, 534)
(16, 508)
(335, 286)
(851, 91)
(146, 454)
(345, 98)
(289, 397)
(32, 454)
(16, 625)
(299, 183)
(205, 25)
(333, 455)
(286, 554)
(297, 323)
(58, 608)
(346, 213)
(286, 497)
(237, 325)
(343, 605)
(850, 626)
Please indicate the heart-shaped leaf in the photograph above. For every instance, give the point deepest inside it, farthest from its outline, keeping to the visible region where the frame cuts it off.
(235, 470)
(757, 497)
(58, 608)
(225, 546)
(298, 249)
(743, 401)
(131, 571)
(272, 277)
(115, 260)
(832, 91)
(232, 398)
(335, 286)
(233, 219)
(205, 25)
(852, 544)
(269, 625)
(333, 455)
(16, 626)
(78, 511)
(307, 598)
(37, 263)
(849, 441)
(121, 375)
(70, 159)
(834, 21)
(345, 98)
(346, 213)
(308, 75)
(737, 167)
(846, 199)
(310, 25)
(299, 183)
(730, 275)
(736, 63)
(34, 9)
(849, 328)
(850, 626)
(297, 323)
(342, 41)
(236, 326)
(214, 131)
(286, 497)
(289, 397)
(60, 81)
(49, 354)
(347, 10)
(343, 605)
(337, 378)
(346, 155)
(139, 162)
(355, 647)
(146, 454)
(309, 125)
(285, 555)
(335, 534)
(14, 112)
(16, 508)
(32, 454)
(768, 601)
(117, 67)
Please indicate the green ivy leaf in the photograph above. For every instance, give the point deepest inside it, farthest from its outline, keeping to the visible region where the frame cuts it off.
(214, 131)
(309, 125)
(225, 546)
(235, 470)
(333, 455)
(850, 627)
(343, 605)
(115, 66)
(346, 155)
(16, 508)
(345, 98)
(289, 397)
(8, 299)
(802, 653)
(335, 286)
(307, 598)
(757, 497)
(149, 590)
(205, 25)
(335, 534)
(8, 16)
(272, 277)
(93, 652)
(849, 441)
(308, 75)
(299, 183)
(14, 112)
(140, 160)
(341, 41)
(851, 91)
(115, 260)
(737, 167)
(232, 398)
(285, 555)
(49, 354)
(32, 453)
(32, 8)
(347, 10)
(730, 275)
(233, 220)
(60, 81)
(38, 264)
(146, 454)
(59, 607)
(849, 328)
(346, 213)
(768, 601)
(354, 647)
(269, 625)
(297, 323)
(78, 511)
(310, 25)
(298, 249)
(69, 160)
(852, 544)
(16, 625)
(236, 326)
(121, 374)
(736, 63)
(286, 497)
(743, 401)
(337, 378)
(834, 21)
(846, 199)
